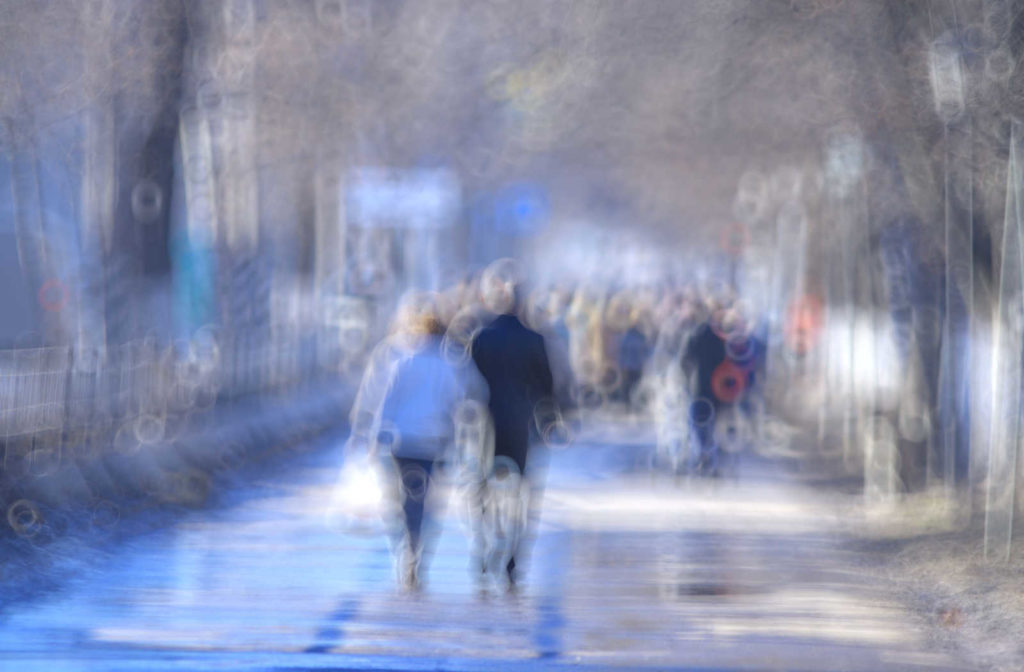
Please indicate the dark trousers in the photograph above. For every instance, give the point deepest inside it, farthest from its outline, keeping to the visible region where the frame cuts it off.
(703, 418)
(630, 379)
(415, 475)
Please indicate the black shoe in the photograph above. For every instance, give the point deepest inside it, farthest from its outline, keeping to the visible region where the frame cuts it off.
(513, 576)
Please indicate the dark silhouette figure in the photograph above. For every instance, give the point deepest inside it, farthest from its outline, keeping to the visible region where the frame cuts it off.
(704, 354)
(634, 351)
(513, 360)
(720, 360)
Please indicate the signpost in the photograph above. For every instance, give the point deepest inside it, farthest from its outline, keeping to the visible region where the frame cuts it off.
(416, 206)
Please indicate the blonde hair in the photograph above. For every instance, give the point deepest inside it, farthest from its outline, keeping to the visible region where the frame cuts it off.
(418, 315)
(425, 324)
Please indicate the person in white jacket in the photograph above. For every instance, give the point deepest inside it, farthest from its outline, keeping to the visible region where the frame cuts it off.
(404, 412)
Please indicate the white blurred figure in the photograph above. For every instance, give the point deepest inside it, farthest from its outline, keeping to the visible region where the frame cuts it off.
(733, 434)
(671, 408)
(669, 389)
(505, 511)
(471, 462)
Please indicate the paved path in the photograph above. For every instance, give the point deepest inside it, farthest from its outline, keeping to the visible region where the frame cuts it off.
(628, 572)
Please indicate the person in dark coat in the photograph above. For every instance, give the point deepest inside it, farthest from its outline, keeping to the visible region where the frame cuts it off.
(634, 351)
(718, 362)
(513, 360)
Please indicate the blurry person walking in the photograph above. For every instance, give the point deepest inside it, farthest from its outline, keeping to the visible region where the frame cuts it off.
(513, 360)
(413, 427)
(718, 361)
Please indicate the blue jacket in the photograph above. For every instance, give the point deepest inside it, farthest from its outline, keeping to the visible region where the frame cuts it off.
(422, 395)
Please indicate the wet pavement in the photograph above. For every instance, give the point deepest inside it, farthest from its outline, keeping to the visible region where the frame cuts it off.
(628, 571)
